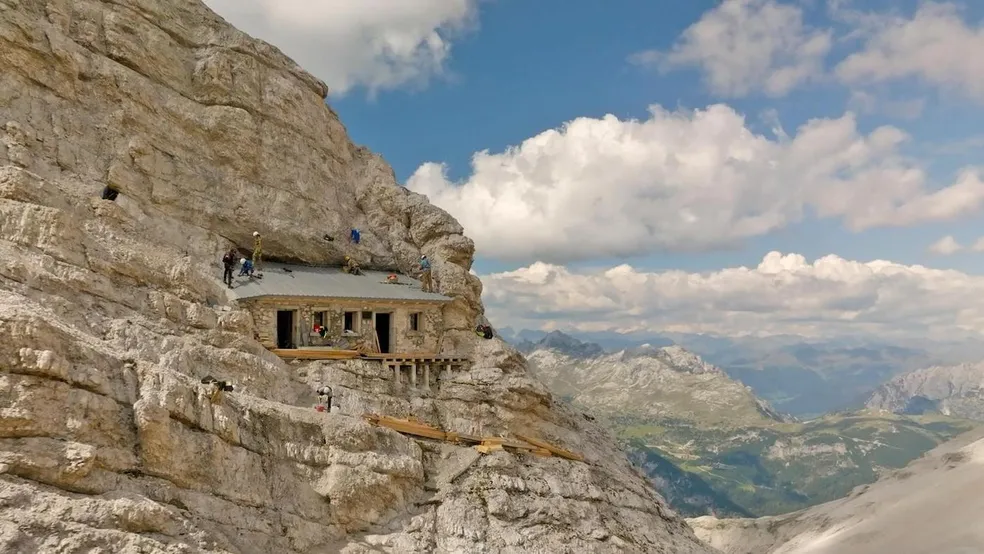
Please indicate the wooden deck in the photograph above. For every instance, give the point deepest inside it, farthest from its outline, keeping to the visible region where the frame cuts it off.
(416, 358)
(338, 354)
(417, 369)
(315, 353)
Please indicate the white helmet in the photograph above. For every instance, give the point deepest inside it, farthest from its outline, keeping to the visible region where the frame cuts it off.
(242, 260)
(423, 257)
(256, 233)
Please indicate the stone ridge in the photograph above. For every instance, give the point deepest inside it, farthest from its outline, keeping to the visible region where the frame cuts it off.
(956, 391)
(652, 382)
(112, 312)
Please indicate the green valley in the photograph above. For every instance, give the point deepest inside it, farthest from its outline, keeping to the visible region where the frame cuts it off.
(711, 446)
(777, 467)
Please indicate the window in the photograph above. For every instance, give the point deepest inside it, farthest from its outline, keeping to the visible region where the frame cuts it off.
(350, 321)
(317, 320)
(415, 321)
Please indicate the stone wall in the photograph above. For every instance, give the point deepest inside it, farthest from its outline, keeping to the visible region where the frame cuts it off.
(425, 339)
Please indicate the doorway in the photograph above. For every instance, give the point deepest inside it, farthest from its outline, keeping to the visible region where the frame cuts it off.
(285, 329)
(383, 332)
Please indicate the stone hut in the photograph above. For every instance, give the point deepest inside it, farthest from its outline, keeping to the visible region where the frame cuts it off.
(290, 303)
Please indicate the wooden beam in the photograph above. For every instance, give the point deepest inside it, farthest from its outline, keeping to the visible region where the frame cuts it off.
(315, 354)
(408, 427)
(552, 449)
(482, 444)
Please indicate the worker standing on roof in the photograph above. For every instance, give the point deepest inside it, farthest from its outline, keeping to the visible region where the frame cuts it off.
(426, 284)
(228, 261)
(257, 250)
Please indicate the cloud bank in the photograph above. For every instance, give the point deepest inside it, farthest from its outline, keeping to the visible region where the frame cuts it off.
(685, 181)
(378, 44)
(784, 294)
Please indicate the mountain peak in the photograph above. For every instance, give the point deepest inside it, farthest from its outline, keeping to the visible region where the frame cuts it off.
(676, 357)
(563, 343)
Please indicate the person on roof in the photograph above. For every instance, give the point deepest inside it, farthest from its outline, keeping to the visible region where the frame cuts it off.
(351, 266)
(426, 284)
(257, 250)
(247, 269)
(228, 262)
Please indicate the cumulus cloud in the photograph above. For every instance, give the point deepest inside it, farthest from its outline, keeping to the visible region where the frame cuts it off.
(748, 45)
(685, 180)
(783, 294)
(374, 43)
(935, 45)
(945, 246)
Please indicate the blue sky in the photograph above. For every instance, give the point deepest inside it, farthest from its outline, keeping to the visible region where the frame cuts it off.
(503, 71)
(532, 67)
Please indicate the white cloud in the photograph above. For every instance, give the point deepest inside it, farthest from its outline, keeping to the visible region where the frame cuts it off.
(748, 45)
(945, 246)
(684, 181)
(375, 43)
(934, 45)
(784, 294)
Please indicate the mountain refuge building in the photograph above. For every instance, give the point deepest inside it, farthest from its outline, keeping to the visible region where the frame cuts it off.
(325, 308)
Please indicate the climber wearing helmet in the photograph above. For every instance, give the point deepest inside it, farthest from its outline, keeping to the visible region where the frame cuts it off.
(247, 268)
(257, 250)
(324, 395)
(426, 284)
(351, 266)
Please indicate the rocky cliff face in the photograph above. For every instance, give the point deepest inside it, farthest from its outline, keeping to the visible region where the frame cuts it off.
(950, 390)
(111, 313)
(931, 506)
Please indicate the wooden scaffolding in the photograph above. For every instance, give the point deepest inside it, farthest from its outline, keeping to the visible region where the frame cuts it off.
(419, 370)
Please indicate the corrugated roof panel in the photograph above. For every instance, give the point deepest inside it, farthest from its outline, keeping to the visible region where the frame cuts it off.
(329, 282)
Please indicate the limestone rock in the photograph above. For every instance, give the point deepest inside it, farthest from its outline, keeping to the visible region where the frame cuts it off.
(111, 313)
(956, 390)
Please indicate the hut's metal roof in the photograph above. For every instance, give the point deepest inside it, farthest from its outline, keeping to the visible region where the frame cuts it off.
(329, 282)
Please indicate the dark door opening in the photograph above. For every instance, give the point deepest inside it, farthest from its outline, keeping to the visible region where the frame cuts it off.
(383, 332)
(285, 329)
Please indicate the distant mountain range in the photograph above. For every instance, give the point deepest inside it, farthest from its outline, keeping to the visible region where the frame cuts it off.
(656, 382)
(956, 390)
(803, 377)
(710, 444)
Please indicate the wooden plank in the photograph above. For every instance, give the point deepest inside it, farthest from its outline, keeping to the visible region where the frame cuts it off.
(552, 449)
(304, 354)
(482, 444)
(408, 427)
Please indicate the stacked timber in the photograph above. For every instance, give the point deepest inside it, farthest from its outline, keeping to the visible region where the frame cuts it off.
(482, 444)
